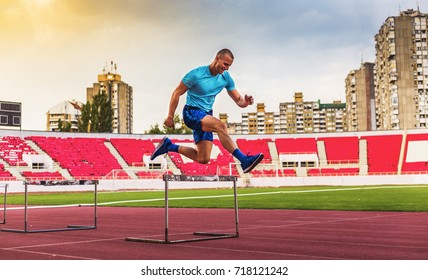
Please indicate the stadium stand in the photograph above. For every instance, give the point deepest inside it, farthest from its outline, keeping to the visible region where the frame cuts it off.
(133, 150)
(4, 174)
(383, 153)
(12, 148)
(82, 157)
(256, 146)
(287, 172)
(146, 174)
(297, 153)
(224, 160)
(296, 145)
(333, 171)
(415, 154)
(219, 163)
(341, 149)
(47, 175)
(273, 173)
(397, 153)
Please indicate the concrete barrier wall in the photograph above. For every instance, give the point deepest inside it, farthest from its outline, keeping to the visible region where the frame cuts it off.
(159, 184)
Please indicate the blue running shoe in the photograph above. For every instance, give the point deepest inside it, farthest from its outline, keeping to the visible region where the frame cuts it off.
(250, 162)
(162, 148)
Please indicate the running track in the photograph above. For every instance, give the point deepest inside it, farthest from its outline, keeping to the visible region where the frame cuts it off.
(264, 234)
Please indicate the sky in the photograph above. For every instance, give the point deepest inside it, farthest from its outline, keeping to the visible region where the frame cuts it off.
(52, 50)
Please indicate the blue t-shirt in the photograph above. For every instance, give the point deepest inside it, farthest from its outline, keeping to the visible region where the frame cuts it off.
(204, 87)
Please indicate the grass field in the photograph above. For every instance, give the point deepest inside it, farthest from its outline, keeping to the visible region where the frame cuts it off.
(374, 198)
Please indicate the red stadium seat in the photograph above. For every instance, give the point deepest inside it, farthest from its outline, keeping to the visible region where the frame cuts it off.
(341, 149)
(82, 157)
(383, 152)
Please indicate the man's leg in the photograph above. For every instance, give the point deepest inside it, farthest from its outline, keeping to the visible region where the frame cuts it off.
(203, 149)
(201, 154)
(203, 138)
(211, 124)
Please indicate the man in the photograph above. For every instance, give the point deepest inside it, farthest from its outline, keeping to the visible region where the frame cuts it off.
(202, 86)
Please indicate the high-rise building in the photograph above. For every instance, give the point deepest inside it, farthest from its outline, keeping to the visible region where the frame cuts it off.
(360, 106)
(293, 117)
(299, 116)
(311, 116)
(121, 96)
(260, 122)
(401, 72)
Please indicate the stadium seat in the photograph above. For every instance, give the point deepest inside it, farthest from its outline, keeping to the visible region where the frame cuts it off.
(46, 175)
(333, 171)
(418, 149)
(341, 149)
(296, 145)
(5, 175)
(256, 146)
(383, 152)
(219, 163)
(12, 148)
(133, 150)
(82, 157)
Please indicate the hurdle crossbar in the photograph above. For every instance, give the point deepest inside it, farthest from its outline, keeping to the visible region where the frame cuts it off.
(4, 203)
(201, 235)
(55, 183)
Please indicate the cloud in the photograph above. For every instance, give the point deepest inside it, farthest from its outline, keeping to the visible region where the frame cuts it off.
(54, 49)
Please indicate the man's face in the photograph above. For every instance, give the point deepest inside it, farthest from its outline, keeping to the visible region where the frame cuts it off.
(223, 63)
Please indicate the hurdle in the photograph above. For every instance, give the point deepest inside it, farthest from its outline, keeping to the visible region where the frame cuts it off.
(56, 183)
(201, 235)
(4, 203)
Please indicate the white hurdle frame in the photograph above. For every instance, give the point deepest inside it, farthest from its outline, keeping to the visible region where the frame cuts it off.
(56, 183)
(205, 235)
(4, 203)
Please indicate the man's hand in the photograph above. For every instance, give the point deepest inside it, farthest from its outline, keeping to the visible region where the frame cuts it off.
(241, 101)
(249, 99)
(169, 122)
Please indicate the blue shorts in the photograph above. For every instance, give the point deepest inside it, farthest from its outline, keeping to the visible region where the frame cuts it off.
(192, 117)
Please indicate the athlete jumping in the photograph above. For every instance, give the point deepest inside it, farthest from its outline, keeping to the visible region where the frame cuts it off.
(202, 85)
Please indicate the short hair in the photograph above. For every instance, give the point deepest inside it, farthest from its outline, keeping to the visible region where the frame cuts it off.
(225, 52)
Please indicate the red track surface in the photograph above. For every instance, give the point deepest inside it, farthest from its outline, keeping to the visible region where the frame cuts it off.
(264, 234)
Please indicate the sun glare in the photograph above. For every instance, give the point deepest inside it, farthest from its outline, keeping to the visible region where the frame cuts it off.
(39, 3)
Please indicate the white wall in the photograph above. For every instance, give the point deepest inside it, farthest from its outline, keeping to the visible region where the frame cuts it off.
(159, 184)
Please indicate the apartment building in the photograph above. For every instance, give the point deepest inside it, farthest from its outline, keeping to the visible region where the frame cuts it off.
(360, 104)
(260, 122)
(311, 116)
(293, 117)
(66, 111)
(121, 96)
(401, 72)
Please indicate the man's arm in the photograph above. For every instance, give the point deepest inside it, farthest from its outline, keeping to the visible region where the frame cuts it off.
(241, 101)
(173, 103)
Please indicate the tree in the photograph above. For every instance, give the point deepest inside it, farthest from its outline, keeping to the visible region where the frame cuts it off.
(98, 115)
(155, 130)
(84, 120)
(179, 128)
(64, 126)
(105, 113)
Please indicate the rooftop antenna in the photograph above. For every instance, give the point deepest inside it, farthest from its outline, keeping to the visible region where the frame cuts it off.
(105, 67)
